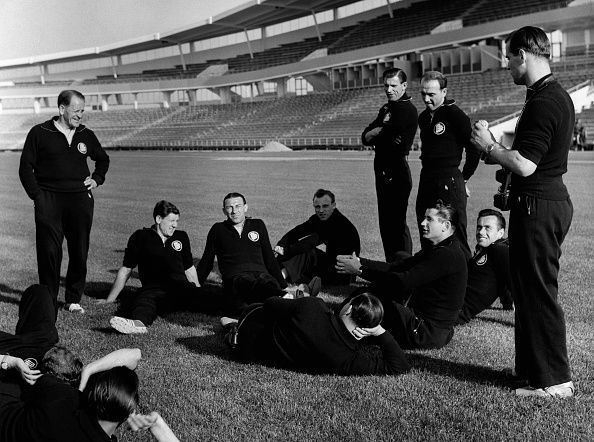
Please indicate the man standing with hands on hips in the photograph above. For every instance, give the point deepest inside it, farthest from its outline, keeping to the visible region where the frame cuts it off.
(541, 213)
(55, 175)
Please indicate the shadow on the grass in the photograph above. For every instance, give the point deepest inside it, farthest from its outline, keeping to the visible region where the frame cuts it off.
(97, 290)
(496, 321)
(211, 344)
(462, 371)
(4, 289)
(106, 330)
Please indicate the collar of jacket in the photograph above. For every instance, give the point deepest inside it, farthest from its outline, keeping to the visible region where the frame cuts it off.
(404, 97)
(49, 125)
(539, 86)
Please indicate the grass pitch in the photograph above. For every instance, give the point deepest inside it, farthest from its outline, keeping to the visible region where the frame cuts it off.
(456, 393)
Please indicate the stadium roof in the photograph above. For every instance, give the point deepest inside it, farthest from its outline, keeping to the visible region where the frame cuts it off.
(252, 14)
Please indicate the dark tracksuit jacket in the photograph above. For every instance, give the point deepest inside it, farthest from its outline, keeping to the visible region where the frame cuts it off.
(393, 180)
(444, 135)
(49, 411)
(53, 173)
(431, 285)
(337, 232)
(488, 279)
(305, 334)
(250, 252)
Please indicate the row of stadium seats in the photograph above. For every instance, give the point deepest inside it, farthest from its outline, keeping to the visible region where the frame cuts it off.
(340, 114)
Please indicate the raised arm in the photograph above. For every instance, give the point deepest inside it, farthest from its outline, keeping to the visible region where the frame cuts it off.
(124, 357)
(118, 285)
(208, 256)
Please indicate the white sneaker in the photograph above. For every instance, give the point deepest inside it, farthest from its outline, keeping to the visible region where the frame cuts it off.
(74, 308)
(127, 326)
(564, 390)
(225, 321)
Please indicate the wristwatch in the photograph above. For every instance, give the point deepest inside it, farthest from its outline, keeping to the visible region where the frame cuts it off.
(4, 364)
(490, 148)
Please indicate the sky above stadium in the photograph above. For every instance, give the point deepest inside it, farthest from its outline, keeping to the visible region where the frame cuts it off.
(34, 27)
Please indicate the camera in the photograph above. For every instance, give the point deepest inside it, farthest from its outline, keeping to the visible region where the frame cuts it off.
(501, 198)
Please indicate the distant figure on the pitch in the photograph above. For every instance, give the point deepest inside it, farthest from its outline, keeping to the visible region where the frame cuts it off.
(244, 254)
(579, 135)
(166, 270)
(445, 133)
(55, 175)
(392, 134)
(304, 334)
(422, 294)
(488, 269)
(311, 248)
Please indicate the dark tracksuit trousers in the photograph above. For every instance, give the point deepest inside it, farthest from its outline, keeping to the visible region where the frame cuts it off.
(36, 330)
(59, 215)
(537, 228)
(447, 185)
(246, 288)
(393, 189)
(149, 302)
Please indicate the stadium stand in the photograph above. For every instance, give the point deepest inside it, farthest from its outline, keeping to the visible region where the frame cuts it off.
(331, 119)
(320, 119)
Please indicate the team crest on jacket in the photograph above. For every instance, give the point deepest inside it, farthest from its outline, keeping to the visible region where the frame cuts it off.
(482, 261)
(176, 245)
(253, 236)
(439, 128)
(82, 148)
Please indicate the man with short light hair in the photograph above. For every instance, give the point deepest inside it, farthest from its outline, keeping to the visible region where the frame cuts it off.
(488, 269)
(310, 249)
(54, 172)
(445, 134)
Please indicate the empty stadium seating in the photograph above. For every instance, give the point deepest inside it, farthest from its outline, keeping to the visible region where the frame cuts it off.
(332, 119)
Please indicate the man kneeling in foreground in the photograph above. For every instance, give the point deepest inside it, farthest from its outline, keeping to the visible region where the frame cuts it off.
(422, 294)
(306, 335)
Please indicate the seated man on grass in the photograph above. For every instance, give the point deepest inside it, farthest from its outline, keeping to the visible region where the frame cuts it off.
(41, 402)
(422, 294)
(306, 335)
(166, 270)
(488, 270)
(242, 247)
(311, 248)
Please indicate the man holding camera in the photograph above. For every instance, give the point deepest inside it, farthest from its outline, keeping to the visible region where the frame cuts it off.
(541, 213)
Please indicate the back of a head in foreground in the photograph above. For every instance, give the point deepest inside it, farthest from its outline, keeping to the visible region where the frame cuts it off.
(112, 395)
(63, 365)
(367, 310)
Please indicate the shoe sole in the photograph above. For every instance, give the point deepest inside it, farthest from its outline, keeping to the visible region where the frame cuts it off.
(315, 285)
(123, 326)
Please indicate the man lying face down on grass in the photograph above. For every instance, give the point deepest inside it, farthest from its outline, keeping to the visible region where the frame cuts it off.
(306, 335)
(45, 404)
